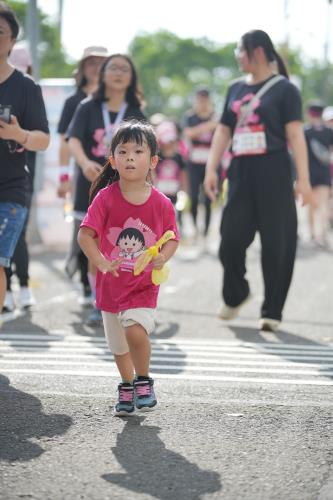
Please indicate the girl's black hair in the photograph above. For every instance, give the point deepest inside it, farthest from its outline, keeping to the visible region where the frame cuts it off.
(8, 14)
(259, 38)
(129, 131)
(134, 96)
(131, 232)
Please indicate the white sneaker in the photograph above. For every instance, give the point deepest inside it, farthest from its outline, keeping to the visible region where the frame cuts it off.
(26, 298)
(268, 324)
(227, 312)
(9, 304)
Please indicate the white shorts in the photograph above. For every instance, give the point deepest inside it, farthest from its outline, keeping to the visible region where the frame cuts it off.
(115, 324)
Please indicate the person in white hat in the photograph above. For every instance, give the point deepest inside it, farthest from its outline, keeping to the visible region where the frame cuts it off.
(328, 115)
(86, 76)
(20, 58)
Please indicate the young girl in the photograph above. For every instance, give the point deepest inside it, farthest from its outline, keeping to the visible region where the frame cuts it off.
(170, 171)
(124, 219)
(118, 97)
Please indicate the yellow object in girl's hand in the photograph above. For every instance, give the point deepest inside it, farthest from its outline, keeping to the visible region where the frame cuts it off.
(158, 275)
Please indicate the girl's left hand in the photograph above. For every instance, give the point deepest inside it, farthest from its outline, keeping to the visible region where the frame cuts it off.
(158, 261)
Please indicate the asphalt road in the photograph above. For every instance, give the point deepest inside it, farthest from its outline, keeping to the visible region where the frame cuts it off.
(241, 414)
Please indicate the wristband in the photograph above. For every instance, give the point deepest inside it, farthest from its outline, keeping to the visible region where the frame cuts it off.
(64, 178)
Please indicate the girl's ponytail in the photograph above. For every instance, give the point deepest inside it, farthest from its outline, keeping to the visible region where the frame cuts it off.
(281, 65)
(106, 177)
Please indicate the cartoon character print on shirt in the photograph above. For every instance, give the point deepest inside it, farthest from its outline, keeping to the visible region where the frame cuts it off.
(129, 242)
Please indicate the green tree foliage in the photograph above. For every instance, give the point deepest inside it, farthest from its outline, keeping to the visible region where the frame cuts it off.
(170, 69)
(54, 61)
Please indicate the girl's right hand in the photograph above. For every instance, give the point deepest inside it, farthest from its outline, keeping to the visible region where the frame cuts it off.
(91, 170)
(110, 266)
(210, 185)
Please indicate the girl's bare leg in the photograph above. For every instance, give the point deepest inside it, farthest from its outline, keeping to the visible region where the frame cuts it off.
(125, 366)
(323, 195)
(3, 286)
(312, 214)
(139, 346)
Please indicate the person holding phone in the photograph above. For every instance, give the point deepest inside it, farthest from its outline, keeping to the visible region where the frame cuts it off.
(23, 127)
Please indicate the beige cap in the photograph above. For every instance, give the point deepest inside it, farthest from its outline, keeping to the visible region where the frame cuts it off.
(94, 51)
(328, 113)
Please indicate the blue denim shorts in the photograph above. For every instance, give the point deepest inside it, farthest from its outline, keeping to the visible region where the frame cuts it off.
(12, 218)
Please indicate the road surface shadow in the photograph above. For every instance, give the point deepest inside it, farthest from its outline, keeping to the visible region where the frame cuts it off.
(21, 420)
(25, 326)
(152, 469)
(247, 334)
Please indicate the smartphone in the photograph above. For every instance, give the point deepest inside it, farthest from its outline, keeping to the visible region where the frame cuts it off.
(5, 112)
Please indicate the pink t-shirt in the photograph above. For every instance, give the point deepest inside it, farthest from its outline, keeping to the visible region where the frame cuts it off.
(126, 230)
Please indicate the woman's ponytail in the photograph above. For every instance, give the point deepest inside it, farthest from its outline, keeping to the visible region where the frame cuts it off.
(281, 65)
(259, 38)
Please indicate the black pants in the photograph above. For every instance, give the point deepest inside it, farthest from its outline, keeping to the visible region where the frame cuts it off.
(76, 259)
(260, 198)
(196, 177)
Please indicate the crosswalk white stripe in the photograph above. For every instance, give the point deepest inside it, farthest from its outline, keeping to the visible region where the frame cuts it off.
(202, 378)
(241, 350)
(186, 357)
(272, 360)
(185, 368)
(57, 335)
(177, 353)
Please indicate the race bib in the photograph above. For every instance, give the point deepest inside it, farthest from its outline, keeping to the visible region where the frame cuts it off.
(249, 140)
(199, 154)
(168, 186)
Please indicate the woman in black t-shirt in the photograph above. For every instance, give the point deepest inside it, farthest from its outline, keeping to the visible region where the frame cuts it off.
(86, 76)
(23, 127)
(117, 98)
(260, 192)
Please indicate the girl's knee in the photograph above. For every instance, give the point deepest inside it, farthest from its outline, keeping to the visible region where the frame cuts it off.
(135, 335)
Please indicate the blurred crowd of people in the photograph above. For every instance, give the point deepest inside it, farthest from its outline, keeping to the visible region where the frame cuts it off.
(191, 150)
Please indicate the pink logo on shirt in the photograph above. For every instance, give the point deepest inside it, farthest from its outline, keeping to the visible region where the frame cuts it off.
(102, 146)
(237, 107)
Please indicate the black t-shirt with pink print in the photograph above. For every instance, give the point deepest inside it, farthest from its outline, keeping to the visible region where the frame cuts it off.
(278, 106)
(88, 126)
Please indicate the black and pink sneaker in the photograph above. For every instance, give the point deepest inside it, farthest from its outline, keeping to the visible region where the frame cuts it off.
(144, 395)
(125, 405)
